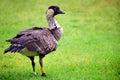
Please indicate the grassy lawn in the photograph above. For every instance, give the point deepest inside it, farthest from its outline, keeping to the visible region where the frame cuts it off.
(88, 50)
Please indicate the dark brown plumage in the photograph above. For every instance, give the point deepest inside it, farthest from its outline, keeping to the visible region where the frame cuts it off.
(38, 41)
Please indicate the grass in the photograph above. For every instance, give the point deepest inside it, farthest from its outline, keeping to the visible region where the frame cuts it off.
(88, 50)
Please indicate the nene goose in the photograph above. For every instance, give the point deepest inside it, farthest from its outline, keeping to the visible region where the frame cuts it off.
(38, 41)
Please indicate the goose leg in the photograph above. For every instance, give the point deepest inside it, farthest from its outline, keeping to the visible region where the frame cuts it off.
(41, 64)
(33, 63)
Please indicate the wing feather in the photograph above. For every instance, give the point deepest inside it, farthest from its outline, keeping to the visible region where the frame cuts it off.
(34, 39)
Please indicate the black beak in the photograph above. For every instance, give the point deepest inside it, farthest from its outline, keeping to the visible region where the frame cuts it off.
(60, 12)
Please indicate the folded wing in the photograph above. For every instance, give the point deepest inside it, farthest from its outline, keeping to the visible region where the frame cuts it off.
(34, 39)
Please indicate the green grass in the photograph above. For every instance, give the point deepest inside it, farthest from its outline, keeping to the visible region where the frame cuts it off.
(88, 50)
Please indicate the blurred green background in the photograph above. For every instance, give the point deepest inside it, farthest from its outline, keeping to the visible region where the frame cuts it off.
(88, 50)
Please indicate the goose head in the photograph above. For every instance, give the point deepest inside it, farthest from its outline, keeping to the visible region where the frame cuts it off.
(54, 10)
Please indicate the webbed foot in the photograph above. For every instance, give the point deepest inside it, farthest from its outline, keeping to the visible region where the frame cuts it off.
(44, 75)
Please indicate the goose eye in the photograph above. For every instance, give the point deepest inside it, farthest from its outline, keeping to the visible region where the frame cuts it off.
(55, 9)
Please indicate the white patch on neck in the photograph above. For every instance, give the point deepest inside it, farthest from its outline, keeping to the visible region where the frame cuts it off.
(50, 19)
(52, 22)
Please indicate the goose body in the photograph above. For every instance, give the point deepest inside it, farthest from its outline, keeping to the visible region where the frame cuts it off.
(34, 41)
(38, 41)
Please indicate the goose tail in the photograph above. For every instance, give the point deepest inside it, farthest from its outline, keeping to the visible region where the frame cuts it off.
(14, 48)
